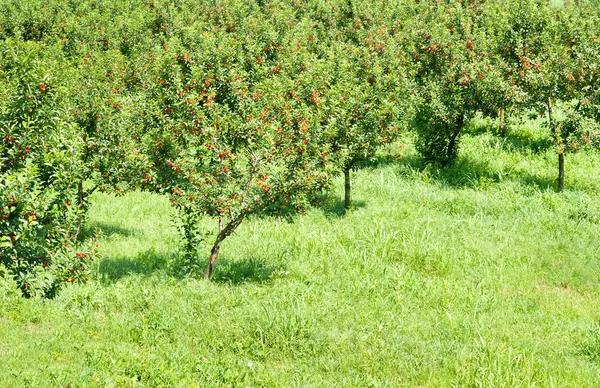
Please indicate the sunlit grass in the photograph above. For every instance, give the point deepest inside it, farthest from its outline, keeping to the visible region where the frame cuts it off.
(478, 275)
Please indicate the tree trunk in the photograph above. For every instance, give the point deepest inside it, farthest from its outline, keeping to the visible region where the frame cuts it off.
(223, 233)
(80, 210)
(347, 201)
(561, 155)
(82, 204)
(561, 172)
(214, 253)
(450, 151)
(501, 126)
(233, 223)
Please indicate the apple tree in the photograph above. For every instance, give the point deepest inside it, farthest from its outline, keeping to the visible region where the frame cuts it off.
(39, 159)
(552, 54)
(235, 131)
(455, 76)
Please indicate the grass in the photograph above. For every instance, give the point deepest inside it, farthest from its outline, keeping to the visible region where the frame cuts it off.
(476, 276)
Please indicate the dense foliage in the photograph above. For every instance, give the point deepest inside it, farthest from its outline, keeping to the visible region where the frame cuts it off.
(552, 57)
(40, 157)
(235, 132)
(237, 108)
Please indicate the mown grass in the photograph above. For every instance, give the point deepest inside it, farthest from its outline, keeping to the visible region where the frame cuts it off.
(476, 276)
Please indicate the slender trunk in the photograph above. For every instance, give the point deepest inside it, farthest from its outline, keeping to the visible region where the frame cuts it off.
(561, 155)
(451, 150)
(561, 172)
(234, 223)
(80, 210)
(501, 126)
(214, 253)
(82, 204)
(223, 233)
(347, 201)
(550, 122)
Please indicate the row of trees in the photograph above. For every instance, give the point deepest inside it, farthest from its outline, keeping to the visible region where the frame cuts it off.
(238, 108)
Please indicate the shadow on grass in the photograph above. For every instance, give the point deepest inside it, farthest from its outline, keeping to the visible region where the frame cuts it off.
(525, 143)
(89, 230)
(515, 140)
(380, 160)
(245, 271)
(112, 269)
(467, 172)
(334, 207)
(483, 127)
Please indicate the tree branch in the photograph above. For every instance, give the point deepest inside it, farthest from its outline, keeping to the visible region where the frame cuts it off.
(253, 169)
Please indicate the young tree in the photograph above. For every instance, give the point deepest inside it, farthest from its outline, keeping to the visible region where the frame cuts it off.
(236, 132)
(99, 103)
(363, 107)
(443, 58)
(365, 95)
(552, 55)
(456, 75)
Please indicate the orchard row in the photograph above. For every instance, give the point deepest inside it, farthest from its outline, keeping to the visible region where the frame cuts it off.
(237, 108)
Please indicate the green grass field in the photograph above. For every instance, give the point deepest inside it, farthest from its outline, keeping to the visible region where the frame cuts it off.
(477, 276)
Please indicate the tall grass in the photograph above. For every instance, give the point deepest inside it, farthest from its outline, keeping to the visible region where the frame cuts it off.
(480, 275)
